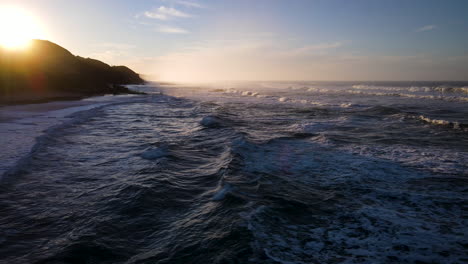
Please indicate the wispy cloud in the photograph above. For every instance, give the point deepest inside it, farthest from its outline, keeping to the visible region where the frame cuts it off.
(117, 46)
(113, 53)
(171, 29)
(322, 46)
(166, 13)
(190, 4)
(312, 49)
(426, 28)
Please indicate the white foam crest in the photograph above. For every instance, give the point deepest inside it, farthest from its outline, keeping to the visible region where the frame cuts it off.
(416, 96)
(318, 90)
(249, 93)
(388, 88)
(346, 105)
(362, 234)
(316, 103)
(425, 89)
(447, 89)
(440, 122)
(432, 159)
(231, 90)
(434, 121)
(437, 160)
(388, 220)
(28, 123)
(420, 89)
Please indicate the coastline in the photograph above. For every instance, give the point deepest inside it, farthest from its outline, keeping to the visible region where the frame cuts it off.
(48, 72)
(61, 96)
(22, 124)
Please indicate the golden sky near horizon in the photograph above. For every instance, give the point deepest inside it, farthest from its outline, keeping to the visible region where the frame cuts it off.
(206, 40)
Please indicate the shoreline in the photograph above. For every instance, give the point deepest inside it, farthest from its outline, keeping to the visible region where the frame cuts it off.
(22, 125)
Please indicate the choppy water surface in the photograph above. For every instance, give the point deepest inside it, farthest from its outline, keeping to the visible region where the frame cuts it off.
(246, 173)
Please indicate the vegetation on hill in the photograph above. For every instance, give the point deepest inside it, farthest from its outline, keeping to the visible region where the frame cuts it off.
(47, 70)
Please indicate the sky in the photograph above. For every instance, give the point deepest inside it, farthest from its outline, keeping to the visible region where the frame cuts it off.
(214, 40)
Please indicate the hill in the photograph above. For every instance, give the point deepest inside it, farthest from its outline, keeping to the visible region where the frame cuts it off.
(47, 71)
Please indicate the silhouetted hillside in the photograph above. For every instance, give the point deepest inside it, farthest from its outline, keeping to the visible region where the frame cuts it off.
(47, 70)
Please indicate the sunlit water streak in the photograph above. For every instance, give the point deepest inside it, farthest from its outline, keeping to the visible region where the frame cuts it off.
(244, 173)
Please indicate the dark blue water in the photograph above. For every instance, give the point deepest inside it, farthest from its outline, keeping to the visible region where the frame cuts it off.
(247, 173)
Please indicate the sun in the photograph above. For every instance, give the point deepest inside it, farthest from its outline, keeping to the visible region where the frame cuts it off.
(17, 28)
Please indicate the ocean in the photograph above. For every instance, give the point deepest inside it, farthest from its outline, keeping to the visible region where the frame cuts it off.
(239, 172)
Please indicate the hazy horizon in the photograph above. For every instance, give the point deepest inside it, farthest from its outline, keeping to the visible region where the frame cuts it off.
(309, 81)
(207, 41)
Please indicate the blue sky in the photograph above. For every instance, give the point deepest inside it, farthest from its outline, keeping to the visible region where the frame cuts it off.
(203, 40)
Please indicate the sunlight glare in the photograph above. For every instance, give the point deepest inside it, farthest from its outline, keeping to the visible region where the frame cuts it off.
(17, 28)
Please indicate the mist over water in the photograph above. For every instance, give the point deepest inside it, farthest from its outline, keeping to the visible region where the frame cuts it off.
(241, 172)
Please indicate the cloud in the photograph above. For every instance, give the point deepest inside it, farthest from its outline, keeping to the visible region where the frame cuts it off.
(190, 4)
(166, 13)
(117, 46)
(312, 49)
(426, 28)
(113, 53)
(171, 29)
(316, 47)
(185, 3)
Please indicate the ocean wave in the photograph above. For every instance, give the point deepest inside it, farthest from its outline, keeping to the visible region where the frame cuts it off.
(346, 105)
(428, 158)
(155, 153)
(340, 229)
(441, 122)
(345, 209)
(61, 119)
(382, 110)
(395, 94)
(315, 126)
(318, 90)
(444, 89)
(393, 89)
(425, 89)
(221, 192)
(211, 121)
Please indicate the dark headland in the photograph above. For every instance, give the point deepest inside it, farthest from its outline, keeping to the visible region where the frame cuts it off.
(45, 71)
